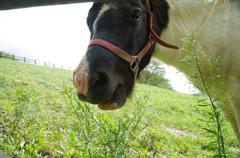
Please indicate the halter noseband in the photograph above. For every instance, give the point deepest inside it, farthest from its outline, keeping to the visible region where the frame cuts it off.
(134, 61)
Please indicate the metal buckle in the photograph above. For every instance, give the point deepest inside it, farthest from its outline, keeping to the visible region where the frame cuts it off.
(134, 66)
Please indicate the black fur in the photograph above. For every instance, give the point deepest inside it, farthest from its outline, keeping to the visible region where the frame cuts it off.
(160, 10)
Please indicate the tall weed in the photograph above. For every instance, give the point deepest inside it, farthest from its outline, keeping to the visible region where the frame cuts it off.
(214, 122)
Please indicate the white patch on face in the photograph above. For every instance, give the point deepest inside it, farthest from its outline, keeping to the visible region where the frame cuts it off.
(81, 77)
(84, 65)
(104, 8)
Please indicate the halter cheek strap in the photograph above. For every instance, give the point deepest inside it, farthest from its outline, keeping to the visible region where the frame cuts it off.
(134, 61)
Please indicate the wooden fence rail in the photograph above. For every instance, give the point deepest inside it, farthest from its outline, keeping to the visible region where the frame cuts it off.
(31, 61)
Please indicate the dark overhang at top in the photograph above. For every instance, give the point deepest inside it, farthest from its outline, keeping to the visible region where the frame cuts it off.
(16, 4)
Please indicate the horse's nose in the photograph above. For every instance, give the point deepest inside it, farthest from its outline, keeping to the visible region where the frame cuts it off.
(96, 80)
(99, 80)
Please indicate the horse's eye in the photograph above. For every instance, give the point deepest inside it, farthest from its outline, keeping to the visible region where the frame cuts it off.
(136, 14)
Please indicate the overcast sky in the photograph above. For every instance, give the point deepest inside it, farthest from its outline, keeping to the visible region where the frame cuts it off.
(57, 34)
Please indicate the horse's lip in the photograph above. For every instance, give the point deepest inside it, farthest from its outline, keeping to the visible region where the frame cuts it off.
(109, 106)
(114, 102)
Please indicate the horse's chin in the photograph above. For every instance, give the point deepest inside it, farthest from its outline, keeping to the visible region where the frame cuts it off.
(109, 106)
(117, 100)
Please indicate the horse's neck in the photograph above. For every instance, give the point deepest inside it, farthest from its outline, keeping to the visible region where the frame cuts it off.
(184, 16)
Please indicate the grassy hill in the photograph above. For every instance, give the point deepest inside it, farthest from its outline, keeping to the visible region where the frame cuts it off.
(40, 116)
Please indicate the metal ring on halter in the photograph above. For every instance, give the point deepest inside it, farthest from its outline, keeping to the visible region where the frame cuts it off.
(134, 66)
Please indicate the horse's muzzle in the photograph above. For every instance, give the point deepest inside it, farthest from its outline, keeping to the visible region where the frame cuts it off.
(96, 87)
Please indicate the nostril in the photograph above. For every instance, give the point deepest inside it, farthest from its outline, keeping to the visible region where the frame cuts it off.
(101, 79)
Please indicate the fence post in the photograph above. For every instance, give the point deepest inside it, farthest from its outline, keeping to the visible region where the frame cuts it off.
(24, 59)
(1, 54)
(35, 61)
(13, 56)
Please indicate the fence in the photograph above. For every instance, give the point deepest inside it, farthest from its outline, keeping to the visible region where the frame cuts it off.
(31, 61)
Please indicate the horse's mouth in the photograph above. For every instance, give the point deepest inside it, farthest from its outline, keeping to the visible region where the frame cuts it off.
(117, 100)
(109, 106)
(113, 102)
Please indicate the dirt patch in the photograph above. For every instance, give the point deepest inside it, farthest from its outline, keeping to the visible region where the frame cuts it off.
(177, 132)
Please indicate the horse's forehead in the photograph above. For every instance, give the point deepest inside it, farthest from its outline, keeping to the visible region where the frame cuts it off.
(127, 2)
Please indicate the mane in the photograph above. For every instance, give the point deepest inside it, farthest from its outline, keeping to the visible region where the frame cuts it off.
(190, 15)
(181, 4)
(192, 7)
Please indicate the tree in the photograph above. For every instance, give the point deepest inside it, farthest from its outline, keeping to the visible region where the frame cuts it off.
(154, 75)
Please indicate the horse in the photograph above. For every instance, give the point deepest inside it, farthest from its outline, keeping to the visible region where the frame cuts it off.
(126, 34)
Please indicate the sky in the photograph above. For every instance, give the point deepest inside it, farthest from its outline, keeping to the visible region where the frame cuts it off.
(59, 35)
(56, 34)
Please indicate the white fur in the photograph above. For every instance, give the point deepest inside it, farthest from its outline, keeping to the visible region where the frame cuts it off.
(81, 77)
(104, 8)
(217, 24)
(84, 65)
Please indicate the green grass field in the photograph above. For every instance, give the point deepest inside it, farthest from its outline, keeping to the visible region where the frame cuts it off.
(40, 116)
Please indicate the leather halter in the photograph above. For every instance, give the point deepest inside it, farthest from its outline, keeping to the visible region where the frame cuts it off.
(134, 61)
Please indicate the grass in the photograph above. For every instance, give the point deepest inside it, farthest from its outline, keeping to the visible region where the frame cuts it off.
(40, 116)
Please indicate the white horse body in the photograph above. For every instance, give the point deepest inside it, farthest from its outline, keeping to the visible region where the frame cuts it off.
(217, 25)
